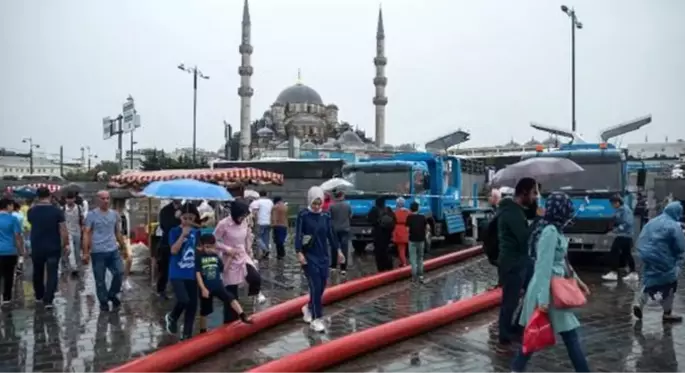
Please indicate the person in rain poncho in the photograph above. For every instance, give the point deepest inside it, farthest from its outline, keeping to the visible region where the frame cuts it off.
(313, 234)
(661, 247)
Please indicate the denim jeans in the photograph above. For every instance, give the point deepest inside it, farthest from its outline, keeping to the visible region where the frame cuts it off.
(416, 251)
(102, 262)
(575, 353)
(280, 234)
(186, 295)
(264, 238)
(72, 263)
(45, 288)
(343, 238)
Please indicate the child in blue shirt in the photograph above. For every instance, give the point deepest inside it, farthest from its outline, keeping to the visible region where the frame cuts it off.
(208, 268)
(183, 240)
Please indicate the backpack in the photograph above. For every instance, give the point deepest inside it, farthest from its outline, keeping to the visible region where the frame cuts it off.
(491, 241)
(386, 221)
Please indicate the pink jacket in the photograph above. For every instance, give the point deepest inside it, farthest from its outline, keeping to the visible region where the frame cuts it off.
(234, 242)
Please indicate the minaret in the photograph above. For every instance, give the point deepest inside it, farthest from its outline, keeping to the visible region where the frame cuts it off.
(380, 81)
(245, 90)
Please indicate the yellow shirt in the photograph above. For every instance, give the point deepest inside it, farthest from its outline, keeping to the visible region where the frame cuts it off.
(25, 211)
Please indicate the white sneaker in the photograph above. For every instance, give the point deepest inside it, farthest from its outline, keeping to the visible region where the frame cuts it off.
(318, 326)
(632, 276)
(306, 314)
(611, 276)
(127, 285)
(261, 299)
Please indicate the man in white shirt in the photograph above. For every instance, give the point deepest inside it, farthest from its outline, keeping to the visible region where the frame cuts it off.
(262, 209)
(74, 217)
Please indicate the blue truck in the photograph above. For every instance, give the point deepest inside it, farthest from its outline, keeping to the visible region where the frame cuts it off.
(436, 182)
(605, 175)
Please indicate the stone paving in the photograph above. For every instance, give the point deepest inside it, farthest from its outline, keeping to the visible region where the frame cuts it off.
(612, 338)
(76, 336)
(373, 308)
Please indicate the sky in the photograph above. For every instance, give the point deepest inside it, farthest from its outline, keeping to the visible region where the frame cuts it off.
(488, 66)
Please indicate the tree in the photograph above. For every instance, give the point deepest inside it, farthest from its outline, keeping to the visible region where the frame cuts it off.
(111, 168)
(159, 160)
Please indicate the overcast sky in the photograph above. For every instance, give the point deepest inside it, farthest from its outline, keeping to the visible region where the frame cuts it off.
(488, 66)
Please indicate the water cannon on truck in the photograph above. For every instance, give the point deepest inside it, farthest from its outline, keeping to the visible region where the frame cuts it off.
(605, 175)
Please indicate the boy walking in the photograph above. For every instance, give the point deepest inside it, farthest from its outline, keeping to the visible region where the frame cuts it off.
(417, 225)
(208, 268)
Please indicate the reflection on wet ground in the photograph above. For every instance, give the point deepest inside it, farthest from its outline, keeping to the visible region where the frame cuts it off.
(76, 336)
(612, 339)
(374, 308)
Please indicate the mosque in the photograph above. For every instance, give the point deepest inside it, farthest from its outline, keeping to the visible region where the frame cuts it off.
(300, 116)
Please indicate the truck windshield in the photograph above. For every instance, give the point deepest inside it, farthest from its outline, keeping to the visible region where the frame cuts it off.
(376, 181)
(596, 177)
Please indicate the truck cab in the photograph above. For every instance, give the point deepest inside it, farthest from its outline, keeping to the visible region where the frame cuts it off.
(604, 176)
(434, 181)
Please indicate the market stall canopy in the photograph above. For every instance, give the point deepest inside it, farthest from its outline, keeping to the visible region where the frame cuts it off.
(228, 177)
(51, 187)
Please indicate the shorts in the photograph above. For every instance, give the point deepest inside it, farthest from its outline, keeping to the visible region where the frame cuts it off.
(126, 251)
(207, 304)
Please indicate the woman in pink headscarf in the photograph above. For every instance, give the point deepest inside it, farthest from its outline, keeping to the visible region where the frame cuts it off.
(234, 241)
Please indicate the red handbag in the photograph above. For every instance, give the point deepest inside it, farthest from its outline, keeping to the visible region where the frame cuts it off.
(538, 333)
(565, 290)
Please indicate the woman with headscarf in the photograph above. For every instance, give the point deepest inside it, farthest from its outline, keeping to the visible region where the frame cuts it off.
(313, 234)
(400, 235)
(382, 221)
(234, 241)
(551, 249)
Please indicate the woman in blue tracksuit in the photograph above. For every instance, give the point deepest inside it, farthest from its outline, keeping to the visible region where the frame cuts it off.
(313, 234)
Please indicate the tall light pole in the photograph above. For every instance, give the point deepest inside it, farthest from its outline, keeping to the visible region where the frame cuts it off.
(575, 24)
(88, 158)
(131, 154)
(29, 141)
(196, 74)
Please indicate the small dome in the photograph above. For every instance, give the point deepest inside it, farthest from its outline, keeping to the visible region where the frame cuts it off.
(388, 147)
(332, 106)
(299, 94)
(264, 131)
(349, 138)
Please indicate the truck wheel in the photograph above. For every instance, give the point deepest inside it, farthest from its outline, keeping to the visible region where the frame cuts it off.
(359, 246)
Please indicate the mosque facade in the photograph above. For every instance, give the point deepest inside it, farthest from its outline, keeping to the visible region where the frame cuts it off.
(300, 116)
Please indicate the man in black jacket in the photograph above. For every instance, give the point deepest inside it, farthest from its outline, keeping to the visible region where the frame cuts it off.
(169, 217)
(514, 261)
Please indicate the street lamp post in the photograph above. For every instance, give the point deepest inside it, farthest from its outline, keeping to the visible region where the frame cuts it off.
(575, 24)
(131, 154)
(29, 141)
(196, 74)
(88, 158)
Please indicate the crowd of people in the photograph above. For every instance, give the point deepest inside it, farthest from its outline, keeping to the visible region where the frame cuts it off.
(64, 234)
(529, 248)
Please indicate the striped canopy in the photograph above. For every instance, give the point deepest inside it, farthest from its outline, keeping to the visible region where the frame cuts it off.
(228, 177)
(51, 187)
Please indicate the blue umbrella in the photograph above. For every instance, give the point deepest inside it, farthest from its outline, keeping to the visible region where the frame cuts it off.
(24, 192)
(187, 189)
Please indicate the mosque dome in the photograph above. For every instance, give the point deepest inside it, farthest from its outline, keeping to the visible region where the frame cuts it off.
(299, 94)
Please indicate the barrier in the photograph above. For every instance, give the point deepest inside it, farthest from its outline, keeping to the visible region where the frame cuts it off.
(318, 358)
(186, 352)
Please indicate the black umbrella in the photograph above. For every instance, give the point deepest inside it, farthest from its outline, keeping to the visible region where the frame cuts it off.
(71, 188)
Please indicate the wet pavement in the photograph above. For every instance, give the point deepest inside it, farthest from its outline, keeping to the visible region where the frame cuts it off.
(373, 308)
(76, 336)
(613, 341)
